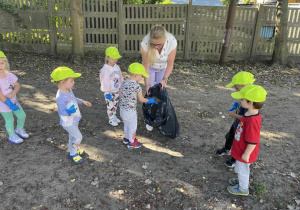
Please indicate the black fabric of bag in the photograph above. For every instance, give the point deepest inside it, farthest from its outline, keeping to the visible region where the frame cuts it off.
(162, 115)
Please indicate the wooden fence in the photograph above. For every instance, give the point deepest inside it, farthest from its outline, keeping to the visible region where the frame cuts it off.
(45, 26)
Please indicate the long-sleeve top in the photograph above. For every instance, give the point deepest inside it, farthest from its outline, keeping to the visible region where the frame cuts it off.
(64, 101)
(110, 78)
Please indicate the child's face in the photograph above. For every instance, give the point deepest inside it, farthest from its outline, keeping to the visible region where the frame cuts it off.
(138, 77)
(246, 104)
(2, 65)
(238, 87)
(110, 61)
(69, 83)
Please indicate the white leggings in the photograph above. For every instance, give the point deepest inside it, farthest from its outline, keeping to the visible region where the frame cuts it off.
(243, 171)
(130, 123)
(75, 138)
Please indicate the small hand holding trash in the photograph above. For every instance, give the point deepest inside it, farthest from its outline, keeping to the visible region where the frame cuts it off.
(151, 101)
(108, 96)
(234, 106)
(71, 110)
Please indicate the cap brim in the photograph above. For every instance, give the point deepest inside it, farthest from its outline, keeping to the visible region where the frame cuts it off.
(145, 74)
(230, 85)
(237, 95)
(116, 57)
(75, 75)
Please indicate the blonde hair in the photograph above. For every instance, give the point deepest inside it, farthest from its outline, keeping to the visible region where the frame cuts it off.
(156, 32)
(7, 64)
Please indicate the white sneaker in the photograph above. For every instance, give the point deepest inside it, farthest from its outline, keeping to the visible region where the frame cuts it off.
(149, 127)
(113, 122)
(117, 119)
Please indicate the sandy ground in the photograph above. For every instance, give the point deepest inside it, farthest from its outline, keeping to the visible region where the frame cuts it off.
(180, 173)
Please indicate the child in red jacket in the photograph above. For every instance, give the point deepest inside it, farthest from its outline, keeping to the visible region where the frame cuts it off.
(246, 140)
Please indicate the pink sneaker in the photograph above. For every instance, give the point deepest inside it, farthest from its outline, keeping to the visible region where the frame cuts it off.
(15, 139)
(22, 133)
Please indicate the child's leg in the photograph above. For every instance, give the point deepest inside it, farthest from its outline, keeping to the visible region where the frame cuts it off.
(125, 121)
(110, 108)
(243, 171)
(229, 138)
(130, 124)
(21, 116)
(75, 138)
(9, 122)
(115, 101)
(159, 76)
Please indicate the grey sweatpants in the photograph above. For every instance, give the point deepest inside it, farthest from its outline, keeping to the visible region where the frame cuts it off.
(130, 123)
(243, 171)
(75, 138)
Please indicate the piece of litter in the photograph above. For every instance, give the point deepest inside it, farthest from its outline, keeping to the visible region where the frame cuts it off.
(121, 192)
(73, 180)
(181, 190)
(148, 181)
(223, 116)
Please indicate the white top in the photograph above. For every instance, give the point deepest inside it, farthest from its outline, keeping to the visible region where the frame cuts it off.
(162, 58)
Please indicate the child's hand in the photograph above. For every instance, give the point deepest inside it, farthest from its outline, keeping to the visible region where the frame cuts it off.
(10, 95)
(86, 103)
(163, 84)
(151, 101)
(231, 114)
(245, 157)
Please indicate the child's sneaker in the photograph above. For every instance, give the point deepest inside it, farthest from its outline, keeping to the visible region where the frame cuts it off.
(223, 151)
(134, 145)
(236, 190)
(22, 133)
(117, 119)
(233, 181)
(76, 158)
(113, 122)
(15, 139)
(125, 141)
(230, 163)
(149, 127)
(81, 152)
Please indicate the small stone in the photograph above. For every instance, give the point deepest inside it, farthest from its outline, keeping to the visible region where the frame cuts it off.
(87, 206)
(148, 206)
(121, 192)
(94, 183)
(145, 166)
(1, 183)
(148, 181)
(261, 200)
(223, 116)
(220, 112)
(96, 178)
(49, 139)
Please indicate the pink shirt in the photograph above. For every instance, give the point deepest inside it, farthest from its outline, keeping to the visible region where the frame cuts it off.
(110, 78)
(6, 86)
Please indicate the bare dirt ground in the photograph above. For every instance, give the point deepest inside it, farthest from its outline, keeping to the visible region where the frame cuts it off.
(181, 173)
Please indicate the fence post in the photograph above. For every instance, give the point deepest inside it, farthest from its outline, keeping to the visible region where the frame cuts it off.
(187, 29)
(121, 23)
(258, 25)
(77, 30)
(52, 26)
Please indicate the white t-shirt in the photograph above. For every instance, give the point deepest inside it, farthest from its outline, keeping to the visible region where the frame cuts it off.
(162, 58)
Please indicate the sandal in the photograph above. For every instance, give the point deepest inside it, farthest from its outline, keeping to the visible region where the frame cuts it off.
(81, 152)
(76, 158)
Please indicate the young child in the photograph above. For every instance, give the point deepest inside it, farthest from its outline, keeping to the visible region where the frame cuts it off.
(68, 109)
(246, 140)
(111, 79)
(130, 91)
(239, 81)
(9, 103)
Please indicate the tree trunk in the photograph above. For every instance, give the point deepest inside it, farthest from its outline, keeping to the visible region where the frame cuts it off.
(77, 30)
(280, 53)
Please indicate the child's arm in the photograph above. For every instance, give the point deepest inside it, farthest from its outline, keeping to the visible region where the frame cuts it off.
(8, 102)
(2, 97)
(141, 97)
(105, 81)
(16, 89)
(234, 115)
(248, 151)
(86, 103)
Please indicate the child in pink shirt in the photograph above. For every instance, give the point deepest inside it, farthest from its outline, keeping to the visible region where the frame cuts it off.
(111, 79)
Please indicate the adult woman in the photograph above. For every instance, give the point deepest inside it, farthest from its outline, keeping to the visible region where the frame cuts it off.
(158, 50)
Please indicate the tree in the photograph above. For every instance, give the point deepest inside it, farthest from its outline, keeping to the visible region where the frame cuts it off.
(280, 53)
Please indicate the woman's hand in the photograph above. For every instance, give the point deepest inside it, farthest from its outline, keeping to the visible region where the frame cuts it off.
(86, 103)
(163, 84)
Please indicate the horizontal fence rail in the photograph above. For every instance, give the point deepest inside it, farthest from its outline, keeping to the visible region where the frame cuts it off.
(46, 26)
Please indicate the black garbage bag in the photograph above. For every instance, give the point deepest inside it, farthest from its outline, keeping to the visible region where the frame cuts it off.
(162, 115)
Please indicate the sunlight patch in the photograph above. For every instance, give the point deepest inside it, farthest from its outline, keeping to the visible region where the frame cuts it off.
(273, 135)
(163, 150)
